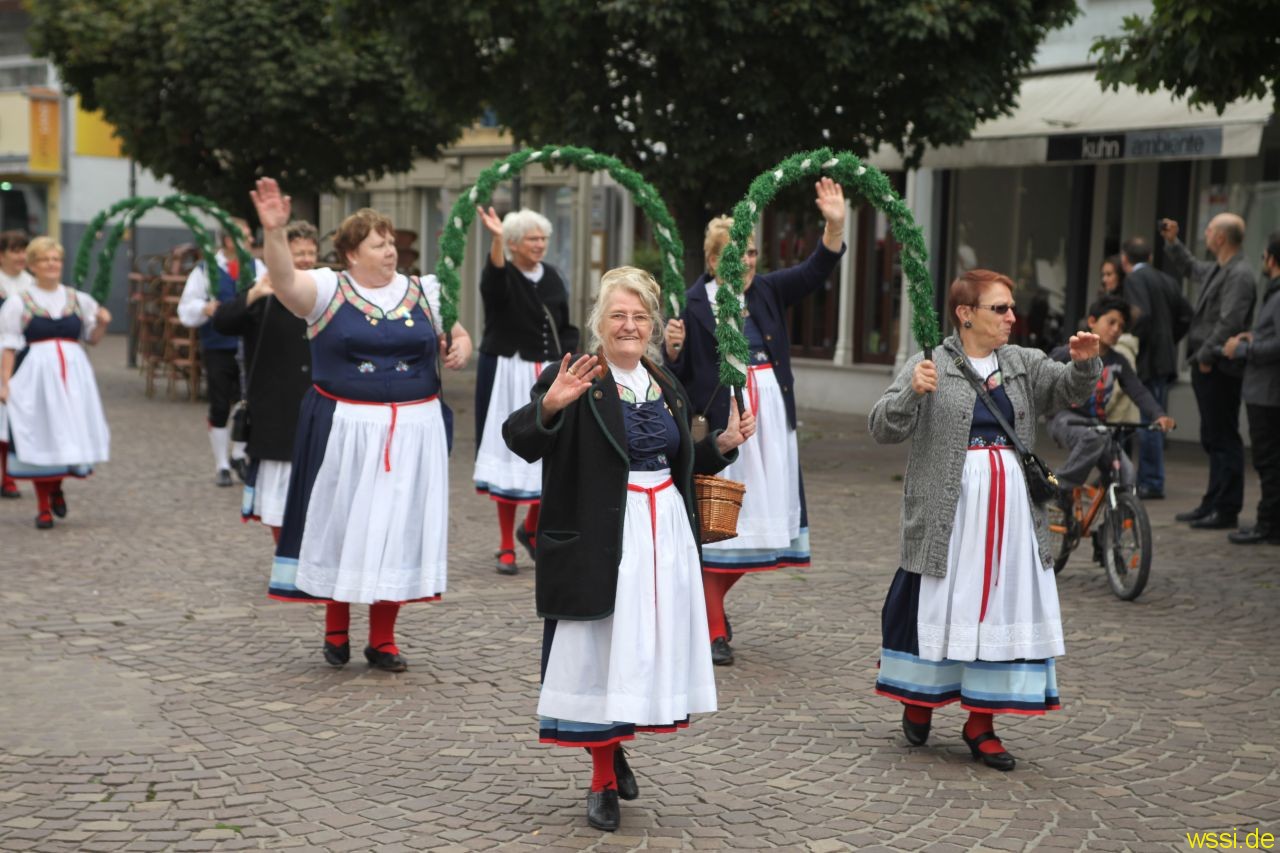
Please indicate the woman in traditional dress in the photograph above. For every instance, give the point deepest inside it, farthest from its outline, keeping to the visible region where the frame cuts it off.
(972, 614)
(773, 526)
(277, 376)
(367, 515)
(14, 278)
(56, 421)
(526, 326)
(618, 572)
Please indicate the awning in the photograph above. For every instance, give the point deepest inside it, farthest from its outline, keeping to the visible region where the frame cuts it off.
(1067, 117)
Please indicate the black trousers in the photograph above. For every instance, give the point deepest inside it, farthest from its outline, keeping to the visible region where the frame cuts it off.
(1264, 433)
(223, 376)
(1218, 398)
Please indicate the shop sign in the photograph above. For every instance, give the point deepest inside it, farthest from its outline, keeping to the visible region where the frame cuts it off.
(1137, 145)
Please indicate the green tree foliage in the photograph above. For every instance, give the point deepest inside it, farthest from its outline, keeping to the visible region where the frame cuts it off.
(699, 97)
(214, 94)
(1213, 51)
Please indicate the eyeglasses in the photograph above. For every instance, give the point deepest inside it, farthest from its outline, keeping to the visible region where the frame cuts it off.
(620, 318)
(1001, 309)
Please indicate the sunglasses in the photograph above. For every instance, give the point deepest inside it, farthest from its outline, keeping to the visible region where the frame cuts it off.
(1001, 309)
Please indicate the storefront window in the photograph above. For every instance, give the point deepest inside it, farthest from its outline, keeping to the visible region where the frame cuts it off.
(24, 207)
(1017, 221)
(792, 230)
(557, 206)
(878, 283)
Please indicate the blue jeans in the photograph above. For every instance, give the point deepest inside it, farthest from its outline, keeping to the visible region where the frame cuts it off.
(1151, 444)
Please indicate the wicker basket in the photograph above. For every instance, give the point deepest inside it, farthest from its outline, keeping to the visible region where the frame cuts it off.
(719, 501)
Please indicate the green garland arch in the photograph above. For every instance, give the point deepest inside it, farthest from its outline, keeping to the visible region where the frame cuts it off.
(130, 210)
(453, 241)
(848, 170)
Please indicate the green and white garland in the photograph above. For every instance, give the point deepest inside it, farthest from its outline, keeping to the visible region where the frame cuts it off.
(848, 170)
(130, 210)
(453, 242)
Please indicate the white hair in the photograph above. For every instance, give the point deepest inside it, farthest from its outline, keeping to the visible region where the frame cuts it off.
(642, 284)
(518, 223)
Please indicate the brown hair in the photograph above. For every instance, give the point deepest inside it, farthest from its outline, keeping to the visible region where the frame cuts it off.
(300, 229)
(356, 227)
(10, 240)
(967, 289)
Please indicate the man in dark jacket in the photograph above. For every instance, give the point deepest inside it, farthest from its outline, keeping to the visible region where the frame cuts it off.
(1161, 316)
(1224, 307)
(1260, 352)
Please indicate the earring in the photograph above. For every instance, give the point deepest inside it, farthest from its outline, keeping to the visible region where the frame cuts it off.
(968, 324)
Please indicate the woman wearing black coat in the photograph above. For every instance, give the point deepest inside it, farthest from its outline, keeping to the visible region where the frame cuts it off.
(277, 365)
(624, 648)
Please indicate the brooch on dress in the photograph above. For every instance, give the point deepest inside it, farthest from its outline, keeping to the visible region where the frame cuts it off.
(401, 367)
(366, 367)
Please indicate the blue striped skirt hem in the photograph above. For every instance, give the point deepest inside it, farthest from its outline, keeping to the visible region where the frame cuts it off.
(991, 687)
(571, 733)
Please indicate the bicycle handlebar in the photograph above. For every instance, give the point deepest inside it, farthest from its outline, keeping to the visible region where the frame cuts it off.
(1113, 426)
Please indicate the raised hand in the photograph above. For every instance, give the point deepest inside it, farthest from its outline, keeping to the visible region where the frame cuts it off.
(830, 202)
(1168, 230)
(491, 220)
(741, 426)
(571, 382)
(1083, 346)
(924, 378)
(272, 205)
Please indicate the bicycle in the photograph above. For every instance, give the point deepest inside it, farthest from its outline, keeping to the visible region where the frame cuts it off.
(1122, 538)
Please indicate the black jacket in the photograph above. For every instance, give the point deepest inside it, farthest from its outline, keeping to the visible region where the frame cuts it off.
(278, 342)
(1162, 318)
(768, 298)
(1262, 354)
(514, 320)
(584, 488)
(1223, 308)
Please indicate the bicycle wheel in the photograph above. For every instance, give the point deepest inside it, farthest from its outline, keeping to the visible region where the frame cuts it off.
(1062, 540)
(1126, 546)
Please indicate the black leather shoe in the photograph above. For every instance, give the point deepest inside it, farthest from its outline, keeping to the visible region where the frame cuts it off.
(1254, 536)
(1193, 514)
(525, 538)
(721, 652)
(505, 568)
(58, 503)
(627, 787)
(1148, 494)
(917, 733)
(44, 521)
(1214, 521)
(995, 760)
(223, 478)
(603, 811)
(336, 654)
(386, 661)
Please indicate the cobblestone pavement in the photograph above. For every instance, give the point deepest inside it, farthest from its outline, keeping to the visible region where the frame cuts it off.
(152, 698)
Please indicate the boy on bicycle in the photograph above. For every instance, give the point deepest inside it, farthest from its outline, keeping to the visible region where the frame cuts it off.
(1107, 319)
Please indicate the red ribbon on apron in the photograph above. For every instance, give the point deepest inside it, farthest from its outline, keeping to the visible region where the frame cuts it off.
(995, 525)
(652, 494)
(753, 393)
(62, 359)
(386, 451)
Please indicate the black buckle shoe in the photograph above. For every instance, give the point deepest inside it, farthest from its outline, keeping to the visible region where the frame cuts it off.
(505, 568)
(721, 652)
(627, 787)
(335, 654)
(917, 733)
(525, 538)
(58, 503)
(1002, 761)
(603, 811)
(386, 661)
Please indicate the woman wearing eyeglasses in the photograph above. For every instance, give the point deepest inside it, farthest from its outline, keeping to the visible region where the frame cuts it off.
(972, 613)
(773, 528)
(618, 568)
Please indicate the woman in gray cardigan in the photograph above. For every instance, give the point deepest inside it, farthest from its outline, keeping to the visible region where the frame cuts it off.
(972, 613)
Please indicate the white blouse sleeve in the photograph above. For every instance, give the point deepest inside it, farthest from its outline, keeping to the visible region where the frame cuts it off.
(326, 285)
(11, 324)
(431, 289)
(195, 295)
(88, 313)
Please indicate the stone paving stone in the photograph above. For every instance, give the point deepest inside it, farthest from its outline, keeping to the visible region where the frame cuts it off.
(161, 702)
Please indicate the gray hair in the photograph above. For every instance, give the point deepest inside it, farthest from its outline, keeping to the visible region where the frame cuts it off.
(518, 223)
(642, 284)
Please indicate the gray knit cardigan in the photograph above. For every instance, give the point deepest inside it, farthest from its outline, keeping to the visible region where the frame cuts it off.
(938, 424)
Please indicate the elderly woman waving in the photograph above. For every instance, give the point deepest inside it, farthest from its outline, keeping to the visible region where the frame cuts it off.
(618, 571)
(972, 613)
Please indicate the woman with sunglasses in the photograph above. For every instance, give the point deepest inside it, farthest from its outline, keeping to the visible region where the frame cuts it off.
(972, 613)
(773, 530)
